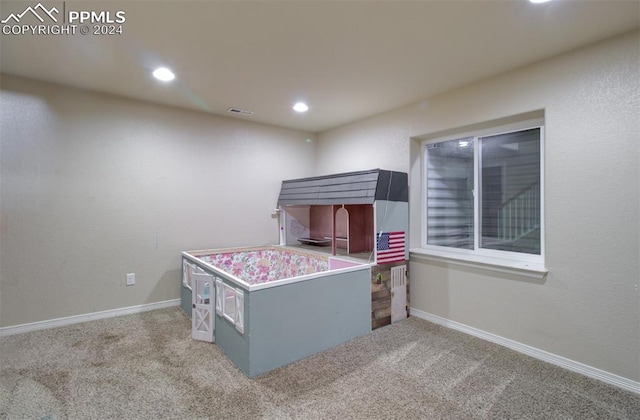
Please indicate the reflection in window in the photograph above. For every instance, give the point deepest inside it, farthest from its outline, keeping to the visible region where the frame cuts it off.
(510, 192)
(484, 192)
(450, 193)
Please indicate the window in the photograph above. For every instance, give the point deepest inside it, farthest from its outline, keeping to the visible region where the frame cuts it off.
(188, 270)
(230, 304)
(483, 193)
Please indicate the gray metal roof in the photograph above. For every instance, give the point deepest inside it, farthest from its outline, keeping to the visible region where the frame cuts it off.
(363, 187)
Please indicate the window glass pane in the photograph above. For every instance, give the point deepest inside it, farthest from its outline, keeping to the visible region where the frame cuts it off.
(449, 167)
(510, 192)
(229, 306)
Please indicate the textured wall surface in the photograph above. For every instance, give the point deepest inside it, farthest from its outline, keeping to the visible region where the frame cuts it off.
(95, 186)
(587, 309)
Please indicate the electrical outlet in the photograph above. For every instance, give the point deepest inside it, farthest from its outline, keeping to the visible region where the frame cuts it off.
(131, 279)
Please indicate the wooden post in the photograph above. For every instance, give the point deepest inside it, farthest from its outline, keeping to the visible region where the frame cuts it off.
(334, 209)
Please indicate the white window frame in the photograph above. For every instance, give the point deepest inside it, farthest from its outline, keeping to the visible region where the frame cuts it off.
(529, 264)
(187, 273)
(228, 294)
(237, 296)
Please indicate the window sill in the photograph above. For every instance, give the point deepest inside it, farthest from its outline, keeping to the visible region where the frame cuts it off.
(523, 269)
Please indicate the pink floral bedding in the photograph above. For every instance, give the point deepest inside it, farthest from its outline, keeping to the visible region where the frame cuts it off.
(266, 264)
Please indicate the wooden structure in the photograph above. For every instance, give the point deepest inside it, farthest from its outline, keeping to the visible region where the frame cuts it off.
(361, 214)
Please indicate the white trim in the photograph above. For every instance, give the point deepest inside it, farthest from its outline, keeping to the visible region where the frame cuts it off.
(581, 368)
(275, 283)
(188, 270)
(486, 129)
(543, 236)
(218, 271)
(477, 206)
(239, 317)
(219, 299)
(76, 319)
(524, 269)
(375, 230)
(228, 288)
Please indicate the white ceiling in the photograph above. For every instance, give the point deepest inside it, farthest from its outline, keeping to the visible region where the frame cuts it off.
(346, 59)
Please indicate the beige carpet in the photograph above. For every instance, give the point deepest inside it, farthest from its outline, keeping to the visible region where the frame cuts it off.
(146, 366)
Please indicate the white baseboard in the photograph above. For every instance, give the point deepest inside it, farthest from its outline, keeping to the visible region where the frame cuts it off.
(59, 322)
(601, 375)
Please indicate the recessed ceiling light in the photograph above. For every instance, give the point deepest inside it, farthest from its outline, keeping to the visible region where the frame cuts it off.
(300, 107)
(164, 74)
(539, 1)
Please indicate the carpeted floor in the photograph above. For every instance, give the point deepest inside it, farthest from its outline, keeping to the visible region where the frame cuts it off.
(146, 366)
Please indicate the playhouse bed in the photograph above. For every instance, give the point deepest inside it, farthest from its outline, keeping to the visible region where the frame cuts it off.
(275, 305)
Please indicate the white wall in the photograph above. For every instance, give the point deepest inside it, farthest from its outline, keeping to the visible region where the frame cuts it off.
(95, 186)
(377, 142)
(587, 309)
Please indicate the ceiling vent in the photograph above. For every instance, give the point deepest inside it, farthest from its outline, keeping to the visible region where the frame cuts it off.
(239, 111)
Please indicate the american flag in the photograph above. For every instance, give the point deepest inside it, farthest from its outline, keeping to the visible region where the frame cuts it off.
(389, 247)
